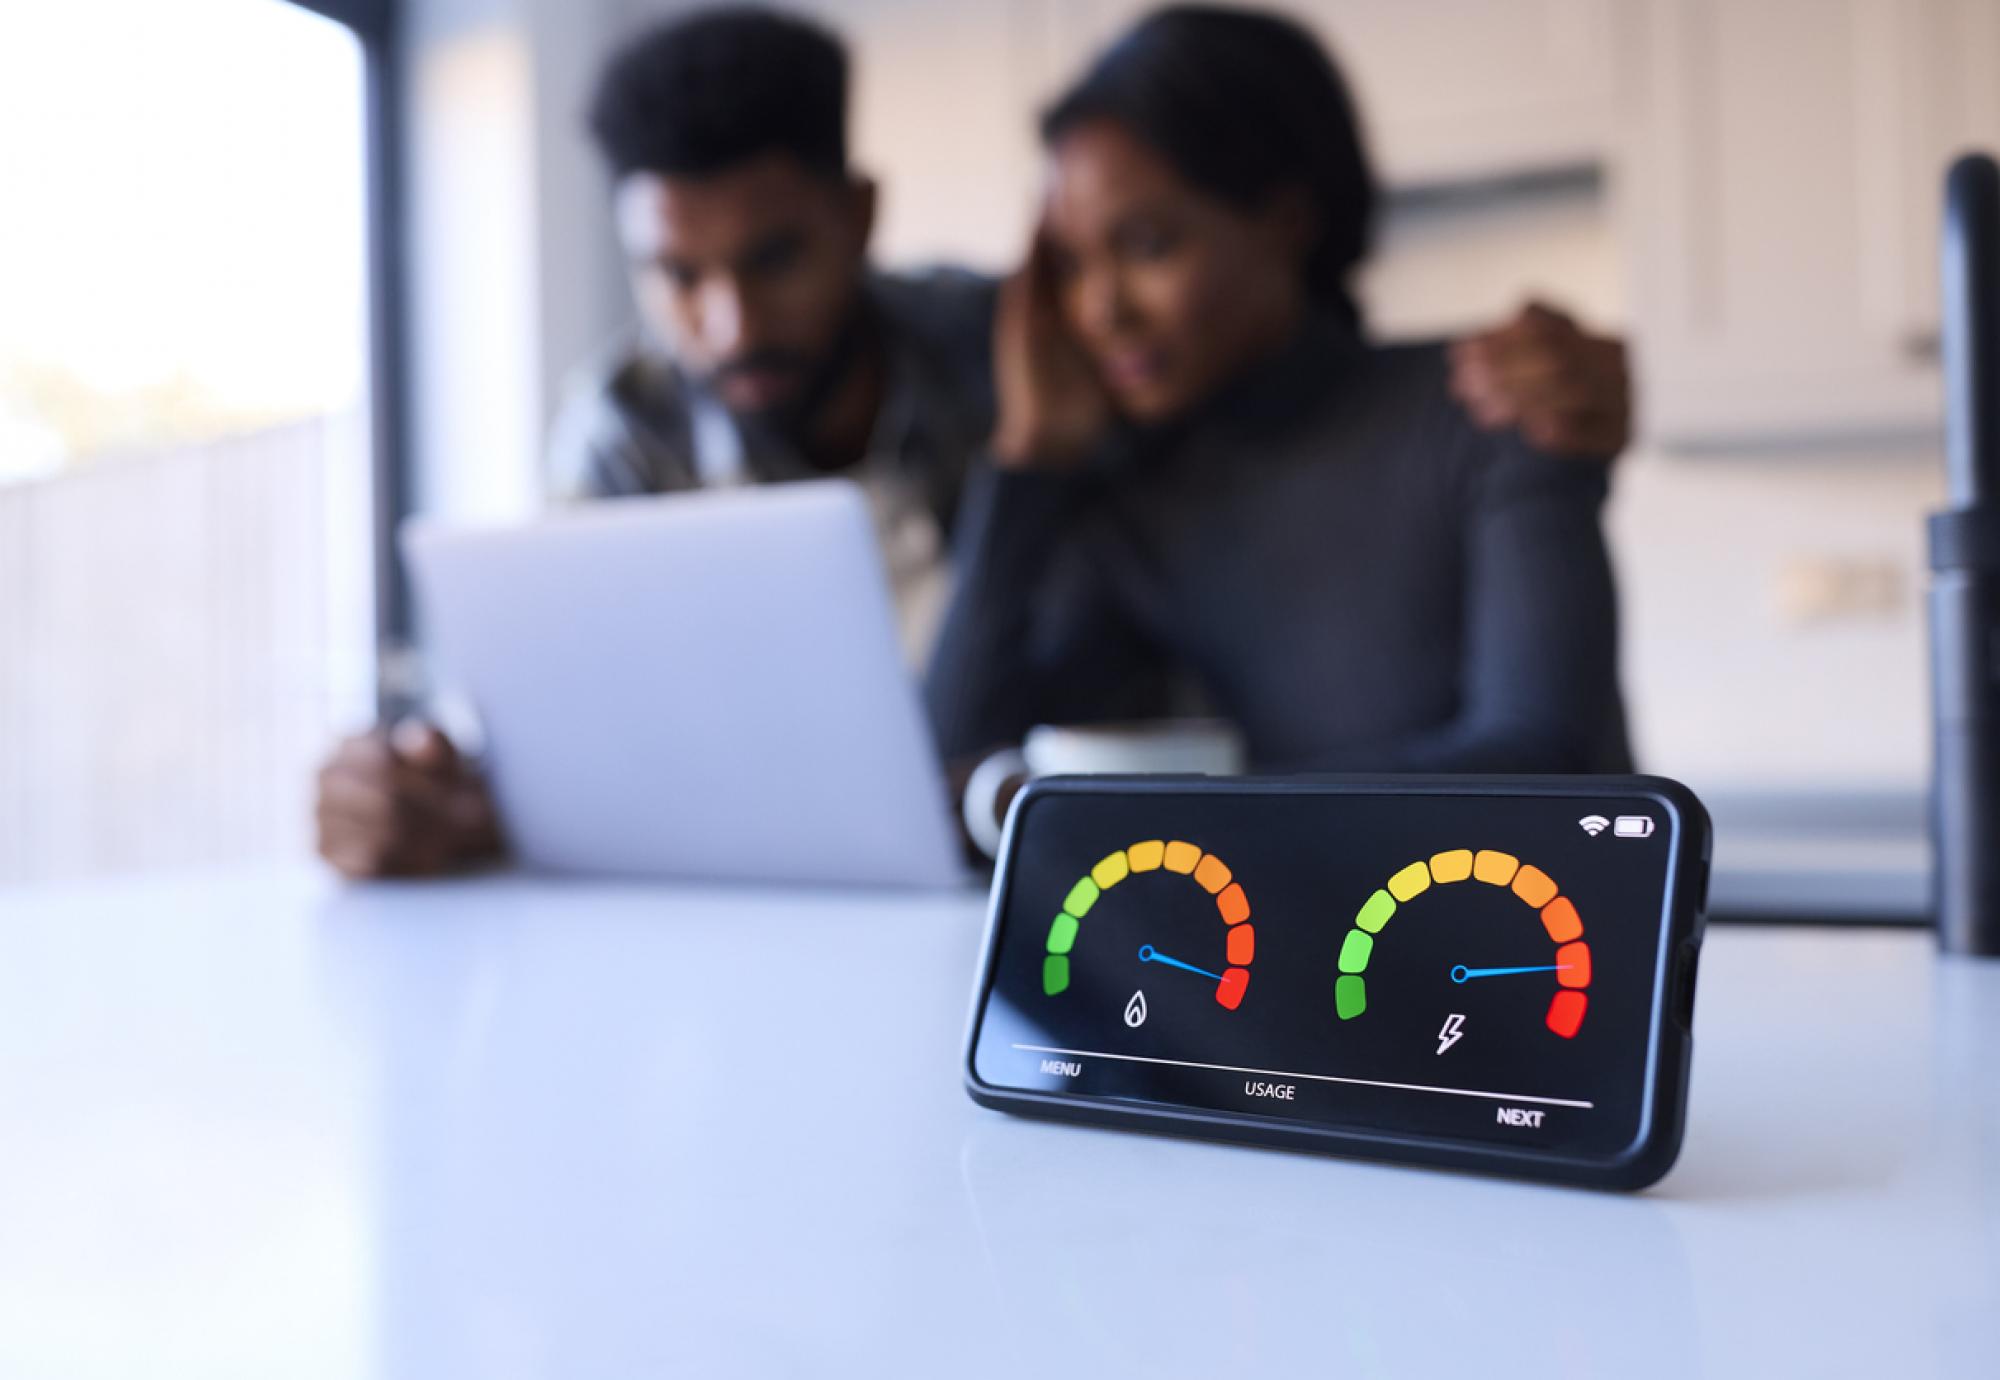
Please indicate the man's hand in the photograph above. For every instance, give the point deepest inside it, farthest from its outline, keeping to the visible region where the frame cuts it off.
(1569, 393)
(1051, 408)
(403, 804)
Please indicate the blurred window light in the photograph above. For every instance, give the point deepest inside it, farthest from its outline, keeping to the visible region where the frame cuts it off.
(185, 586)
(181, 259)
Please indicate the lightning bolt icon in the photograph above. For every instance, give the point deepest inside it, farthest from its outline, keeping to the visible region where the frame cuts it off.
(1453, 1032)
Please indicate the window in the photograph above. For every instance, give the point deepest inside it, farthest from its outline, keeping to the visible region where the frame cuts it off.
(186, 583)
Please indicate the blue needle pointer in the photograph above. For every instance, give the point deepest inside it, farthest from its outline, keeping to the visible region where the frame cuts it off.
(1149, 954)
(1461, 973)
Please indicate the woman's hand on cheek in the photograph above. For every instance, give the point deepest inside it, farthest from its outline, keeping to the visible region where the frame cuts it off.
(1052, 411)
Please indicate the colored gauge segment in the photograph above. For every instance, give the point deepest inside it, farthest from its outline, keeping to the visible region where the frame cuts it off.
(1206, 870)
(1534, 887)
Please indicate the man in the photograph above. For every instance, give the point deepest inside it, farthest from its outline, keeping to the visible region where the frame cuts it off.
(771, 351)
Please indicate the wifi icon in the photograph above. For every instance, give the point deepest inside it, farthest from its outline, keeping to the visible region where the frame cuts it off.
(1593, 825)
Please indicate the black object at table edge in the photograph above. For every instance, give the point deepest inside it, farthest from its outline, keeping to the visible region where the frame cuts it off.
(1965, 566)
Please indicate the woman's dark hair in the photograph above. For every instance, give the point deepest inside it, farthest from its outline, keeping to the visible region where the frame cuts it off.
(1244, 105)
(700, 94)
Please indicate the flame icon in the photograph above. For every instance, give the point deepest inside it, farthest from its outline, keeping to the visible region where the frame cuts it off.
(1135, 1010)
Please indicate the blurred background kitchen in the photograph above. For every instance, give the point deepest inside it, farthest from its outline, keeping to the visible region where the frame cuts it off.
(269, 278)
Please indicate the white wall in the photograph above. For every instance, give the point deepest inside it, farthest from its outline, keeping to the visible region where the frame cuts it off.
(473, 231)
(1733, 677)
(512, 275)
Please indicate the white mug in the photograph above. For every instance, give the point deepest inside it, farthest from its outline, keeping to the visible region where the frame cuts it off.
(1210, 747)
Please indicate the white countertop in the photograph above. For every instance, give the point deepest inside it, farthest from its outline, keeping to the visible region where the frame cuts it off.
(260, 1125)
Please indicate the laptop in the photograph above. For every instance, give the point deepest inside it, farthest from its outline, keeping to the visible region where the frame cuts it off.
(699, 686)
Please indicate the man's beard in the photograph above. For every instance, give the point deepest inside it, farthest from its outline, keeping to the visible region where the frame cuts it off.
(793, 418)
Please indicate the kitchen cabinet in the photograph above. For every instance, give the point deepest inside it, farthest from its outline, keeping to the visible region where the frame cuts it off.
(1451, 90)
(946, 98)
(1783, 281)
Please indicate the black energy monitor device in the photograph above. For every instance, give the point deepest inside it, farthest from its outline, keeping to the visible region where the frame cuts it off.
(1482, 973)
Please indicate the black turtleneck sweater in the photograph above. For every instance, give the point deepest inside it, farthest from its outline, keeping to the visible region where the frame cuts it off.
(1332, 555)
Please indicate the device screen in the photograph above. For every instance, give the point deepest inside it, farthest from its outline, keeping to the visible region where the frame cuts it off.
(1456, 966)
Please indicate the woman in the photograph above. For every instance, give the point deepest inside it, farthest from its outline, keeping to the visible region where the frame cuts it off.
(1214, 490)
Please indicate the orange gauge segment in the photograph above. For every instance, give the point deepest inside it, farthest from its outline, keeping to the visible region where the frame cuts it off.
(1233, 904)
(1532, 885)
(1453, 865)
(1211, 873)
(1573, 965)
(1560, 919)
(1242, 944)
(1495, 869)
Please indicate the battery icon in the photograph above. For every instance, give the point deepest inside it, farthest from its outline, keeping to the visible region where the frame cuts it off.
(1632, 826)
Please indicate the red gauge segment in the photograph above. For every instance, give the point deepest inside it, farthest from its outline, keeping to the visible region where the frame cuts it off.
(1566, 1010)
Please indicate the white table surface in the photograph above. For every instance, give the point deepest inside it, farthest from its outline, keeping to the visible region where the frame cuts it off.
(260, 1125)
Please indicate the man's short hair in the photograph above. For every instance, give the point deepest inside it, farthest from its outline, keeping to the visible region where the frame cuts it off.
(697, 95)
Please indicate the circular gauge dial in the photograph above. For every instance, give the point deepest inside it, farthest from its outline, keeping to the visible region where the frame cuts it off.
(1221, 955)
(1516, 955)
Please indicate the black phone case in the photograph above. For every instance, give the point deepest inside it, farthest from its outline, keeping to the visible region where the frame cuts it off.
(1670, 1034)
